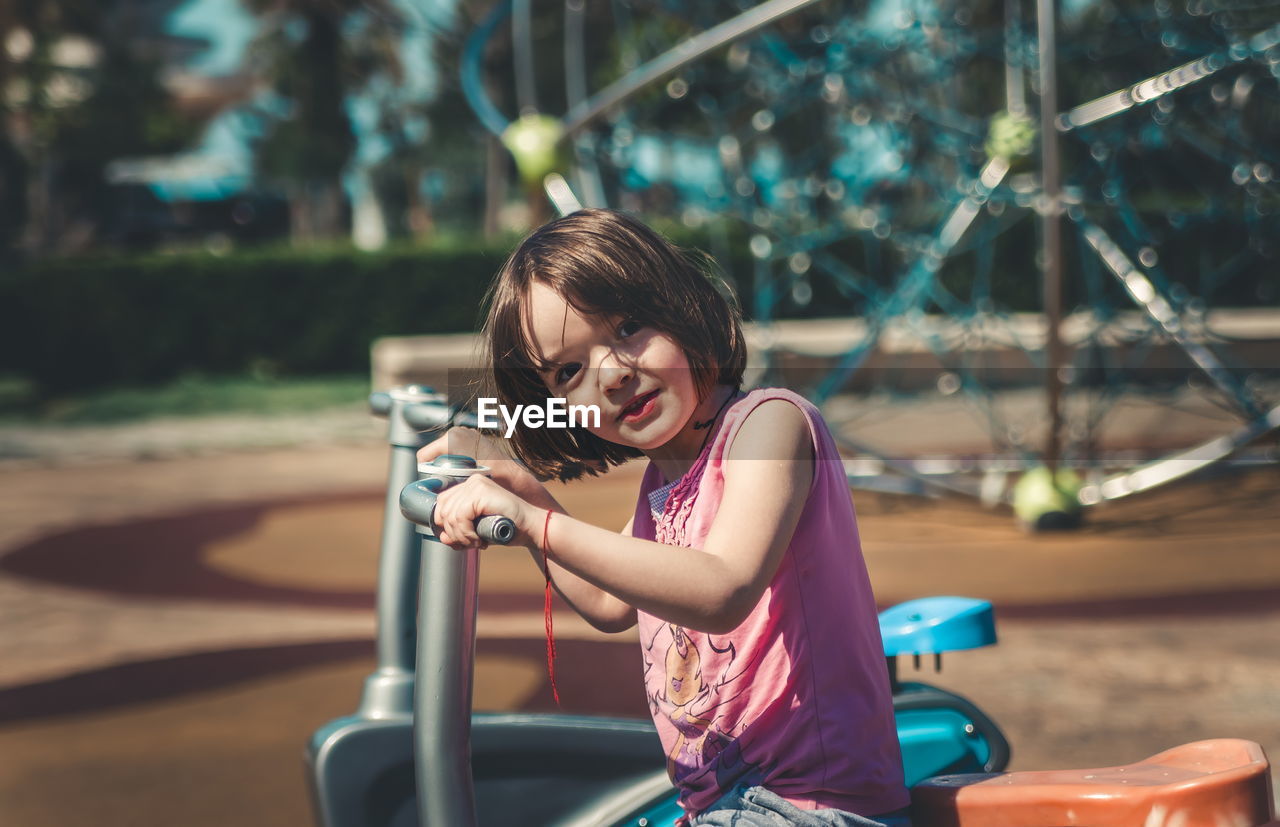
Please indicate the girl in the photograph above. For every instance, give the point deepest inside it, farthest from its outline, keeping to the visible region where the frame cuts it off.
(763, 662)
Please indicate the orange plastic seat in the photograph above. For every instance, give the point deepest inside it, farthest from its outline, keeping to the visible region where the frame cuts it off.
(1219, 783)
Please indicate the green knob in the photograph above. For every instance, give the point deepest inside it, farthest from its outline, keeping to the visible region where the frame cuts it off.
(535, 141)
(1044, 501)
(1010, 136)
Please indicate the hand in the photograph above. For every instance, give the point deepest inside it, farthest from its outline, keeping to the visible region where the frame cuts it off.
(487, 451)
(458, 508)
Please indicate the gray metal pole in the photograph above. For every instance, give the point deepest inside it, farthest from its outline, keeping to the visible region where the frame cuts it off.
(388, 692)
(442, 696)
(575, 80)
(1015, 96)
(753, 19)
(447, 598)
(522, 46)
(399, 561)
(1051, 222)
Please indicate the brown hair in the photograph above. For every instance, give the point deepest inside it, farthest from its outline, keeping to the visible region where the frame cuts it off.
(605, 263)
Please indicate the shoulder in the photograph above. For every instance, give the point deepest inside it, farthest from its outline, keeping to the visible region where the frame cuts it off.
(774, 427)
(773, 399)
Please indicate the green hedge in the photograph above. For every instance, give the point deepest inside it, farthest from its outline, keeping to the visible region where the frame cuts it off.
(77, 323)
(69, 324)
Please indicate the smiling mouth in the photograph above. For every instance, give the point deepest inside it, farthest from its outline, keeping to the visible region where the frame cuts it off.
(636, 405)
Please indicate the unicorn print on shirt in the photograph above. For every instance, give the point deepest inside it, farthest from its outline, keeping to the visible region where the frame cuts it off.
(690, 698)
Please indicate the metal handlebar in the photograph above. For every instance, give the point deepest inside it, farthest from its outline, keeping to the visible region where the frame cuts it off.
(418, 505)
(421, 408)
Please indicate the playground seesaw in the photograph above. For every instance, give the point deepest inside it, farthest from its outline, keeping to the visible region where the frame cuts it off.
(414, 753)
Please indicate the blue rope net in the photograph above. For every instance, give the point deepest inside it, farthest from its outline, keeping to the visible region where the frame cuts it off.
(880, 165)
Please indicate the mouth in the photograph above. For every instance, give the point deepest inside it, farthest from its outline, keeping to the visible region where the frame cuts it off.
(639, 407)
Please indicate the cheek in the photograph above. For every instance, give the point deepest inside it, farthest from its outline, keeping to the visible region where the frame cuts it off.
(681, 379)
(663, 355)
(587, 398)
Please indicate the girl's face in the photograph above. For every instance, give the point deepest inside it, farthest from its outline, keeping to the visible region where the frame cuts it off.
(639, 377)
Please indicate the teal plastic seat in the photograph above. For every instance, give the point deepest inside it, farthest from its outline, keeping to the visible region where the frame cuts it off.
(933, 625)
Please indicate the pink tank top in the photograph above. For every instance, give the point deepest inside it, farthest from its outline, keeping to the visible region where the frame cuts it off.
(796, 699)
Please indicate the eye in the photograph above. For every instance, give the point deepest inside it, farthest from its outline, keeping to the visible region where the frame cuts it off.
(630, 327)
(566, 372)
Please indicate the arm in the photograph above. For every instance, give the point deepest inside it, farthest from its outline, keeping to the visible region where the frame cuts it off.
(710, 589)
(599, 608)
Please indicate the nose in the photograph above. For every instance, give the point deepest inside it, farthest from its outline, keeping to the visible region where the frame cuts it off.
(613, 372)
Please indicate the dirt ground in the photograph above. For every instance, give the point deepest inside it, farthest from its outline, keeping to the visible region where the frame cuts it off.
(174, 628)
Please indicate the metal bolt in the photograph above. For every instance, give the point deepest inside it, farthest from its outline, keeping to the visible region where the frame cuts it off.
(449, 461)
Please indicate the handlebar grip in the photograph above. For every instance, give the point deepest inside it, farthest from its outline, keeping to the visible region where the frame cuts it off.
(418, 505)
(492, 528)
(380, 403)
(426, 416)
(423, 409)
(431, 416)
(496, 529)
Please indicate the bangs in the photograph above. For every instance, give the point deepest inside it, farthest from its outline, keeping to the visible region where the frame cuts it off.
(512, 357)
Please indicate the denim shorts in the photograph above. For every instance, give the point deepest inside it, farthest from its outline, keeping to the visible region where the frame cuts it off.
(757, 807)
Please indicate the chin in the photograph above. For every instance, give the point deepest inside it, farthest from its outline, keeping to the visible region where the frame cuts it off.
(651, 436)
(662, 436)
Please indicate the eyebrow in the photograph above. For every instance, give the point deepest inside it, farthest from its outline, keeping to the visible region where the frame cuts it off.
(545, 369)
(544, 364)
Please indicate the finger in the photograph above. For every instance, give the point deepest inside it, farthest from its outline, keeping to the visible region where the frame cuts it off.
(453, 541)
(437, 447)
(443, 517)
(469, 531)
(466, 441)
(459, 525)
(456, 440)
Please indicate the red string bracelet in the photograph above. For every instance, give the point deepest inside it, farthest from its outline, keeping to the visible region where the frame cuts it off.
(546, 613)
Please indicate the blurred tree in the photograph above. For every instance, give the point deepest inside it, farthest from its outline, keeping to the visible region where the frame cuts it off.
(317, 55)
(300, 51)
(78, 89)
(402, 151)
(455, 158)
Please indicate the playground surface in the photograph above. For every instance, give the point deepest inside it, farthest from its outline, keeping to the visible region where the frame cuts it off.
(175, 626)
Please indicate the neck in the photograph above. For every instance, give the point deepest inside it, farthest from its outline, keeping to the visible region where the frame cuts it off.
(677, 456)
